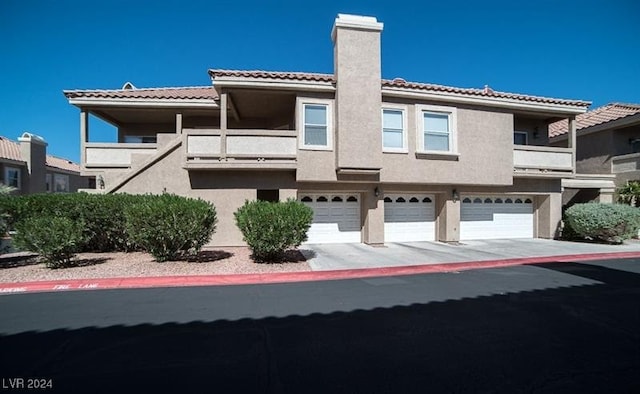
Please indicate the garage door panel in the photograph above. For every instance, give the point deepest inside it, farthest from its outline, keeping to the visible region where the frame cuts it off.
(496, 217)
(336, 218)
(409, 218)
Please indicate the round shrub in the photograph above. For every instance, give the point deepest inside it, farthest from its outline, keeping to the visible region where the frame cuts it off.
(270, 228)
(170, 226)
(611, 223)
(102, 214)
(56, 239)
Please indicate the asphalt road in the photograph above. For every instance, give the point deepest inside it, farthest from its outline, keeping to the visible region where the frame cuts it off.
(549, 328)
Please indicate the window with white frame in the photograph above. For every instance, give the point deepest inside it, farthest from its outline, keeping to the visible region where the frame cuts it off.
(12, 177)
(48, 183)
(437, 129)
(315, 124)
(520, 138)
(394, 137)
(60, 183)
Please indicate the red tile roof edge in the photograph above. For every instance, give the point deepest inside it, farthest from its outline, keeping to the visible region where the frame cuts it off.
(184, 93)
(397, 82)
(598, 116)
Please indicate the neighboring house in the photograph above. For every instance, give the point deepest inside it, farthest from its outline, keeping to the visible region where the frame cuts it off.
(26, 166)
(607, 152)
(378, 160)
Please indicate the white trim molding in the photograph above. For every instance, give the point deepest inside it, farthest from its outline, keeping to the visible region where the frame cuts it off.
(452, 118)
(405, 127)
(300, 122)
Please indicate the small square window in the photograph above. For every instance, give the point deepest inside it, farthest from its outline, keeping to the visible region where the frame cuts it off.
(60, 183)
(315, 124)
(393, 130)
(520, 138)
(268, 195)
(12, 177)
(437, 133)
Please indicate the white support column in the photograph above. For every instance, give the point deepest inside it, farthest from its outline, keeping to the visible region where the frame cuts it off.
(223, 125)
(84, 136)
(572, 140)
(178, 123)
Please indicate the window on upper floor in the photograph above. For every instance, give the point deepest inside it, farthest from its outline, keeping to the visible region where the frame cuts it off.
(437, 129)
(394, 135)
(140, 139)
(520, 138)
(48, 183)
(315, 124)
(60, 183)
(12, 177)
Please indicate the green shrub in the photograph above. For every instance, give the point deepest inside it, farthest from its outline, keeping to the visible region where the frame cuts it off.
(169, 226)
(56, 239)
(612, 223)
(270, 228)
(103, 215)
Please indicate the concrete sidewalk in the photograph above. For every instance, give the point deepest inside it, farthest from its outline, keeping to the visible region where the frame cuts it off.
(329, 257)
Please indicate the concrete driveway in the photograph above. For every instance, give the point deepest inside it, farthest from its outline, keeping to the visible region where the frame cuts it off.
(324, 257)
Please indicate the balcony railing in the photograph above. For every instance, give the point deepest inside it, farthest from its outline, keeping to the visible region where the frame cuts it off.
(114, 155)
(241, 149)
(542, 161)
(625, 163)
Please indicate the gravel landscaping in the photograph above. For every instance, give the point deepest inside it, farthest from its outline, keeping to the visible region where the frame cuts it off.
(214, 261)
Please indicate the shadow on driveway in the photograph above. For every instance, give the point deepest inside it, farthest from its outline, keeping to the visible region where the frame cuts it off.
(582, 339)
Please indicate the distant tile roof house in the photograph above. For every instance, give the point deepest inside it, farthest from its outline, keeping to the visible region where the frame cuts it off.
(599, 116)
(26, 166)
(378, 160)
(607, 150)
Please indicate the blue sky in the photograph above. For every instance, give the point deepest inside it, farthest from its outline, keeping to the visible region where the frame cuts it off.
(586, 49)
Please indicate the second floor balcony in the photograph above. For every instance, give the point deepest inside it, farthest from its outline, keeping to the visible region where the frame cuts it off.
(625, 163)
(240, 149)
(542, 161)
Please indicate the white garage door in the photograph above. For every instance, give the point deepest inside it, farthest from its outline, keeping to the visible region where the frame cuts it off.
(484, 217)
(336, 218)
(409, 218)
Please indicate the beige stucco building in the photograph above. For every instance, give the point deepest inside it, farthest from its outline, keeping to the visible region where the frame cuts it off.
(26, 166)
(378, 160)
(607, 151)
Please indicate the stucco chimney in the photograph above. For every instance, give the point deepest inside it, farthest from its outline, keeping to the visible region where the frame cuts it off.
(357, 71)
(34, 151)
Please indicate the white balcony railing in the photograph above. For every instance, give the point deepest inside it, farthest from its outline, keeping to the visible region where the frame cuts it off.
(625, 163)
(240, 148)
(542, 160)
(114, 155)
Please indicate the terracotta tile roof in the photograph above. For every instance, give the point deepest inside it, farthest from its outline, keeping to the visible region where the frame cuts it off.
(604, 114)
(63, 164)
(11, 150)
(286, 76)
(395, 83)
(178, 93)
(486, 92)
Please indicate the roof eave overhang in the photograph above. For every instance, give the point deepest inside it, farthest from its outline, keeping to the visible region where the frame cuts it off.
(143, 103)
(559, 109)
(274, 84)
(613, 124)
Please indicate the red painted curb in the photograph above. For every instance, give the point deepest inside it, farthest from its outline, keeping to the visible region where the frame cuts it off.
(245, 279)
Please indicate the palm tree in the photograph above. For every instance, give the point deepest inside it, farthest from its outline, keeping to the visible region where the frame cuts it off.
(630, 193)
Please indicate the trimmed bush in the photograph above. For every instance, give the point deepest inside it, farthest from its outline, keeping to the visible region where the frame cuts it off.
(56, 239)
(103, 215)
(611, 223)
(270, 228)
(170, 226)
